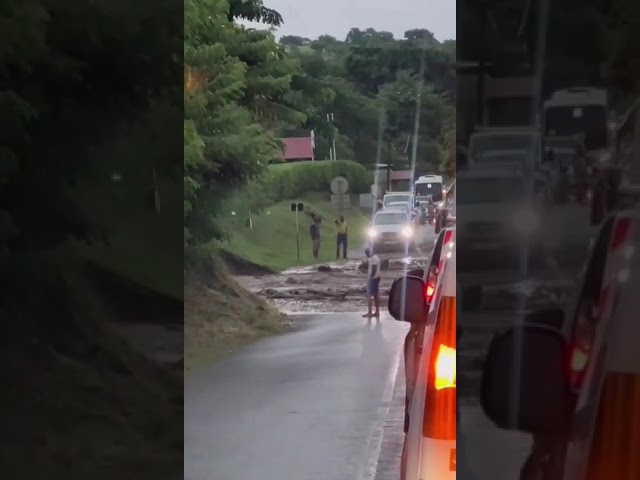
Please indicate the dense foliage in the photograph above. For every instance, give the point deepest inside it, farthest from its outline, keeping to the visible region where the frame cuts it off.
(244, 90)
(102, 69)
(291, 181)
(601, 48)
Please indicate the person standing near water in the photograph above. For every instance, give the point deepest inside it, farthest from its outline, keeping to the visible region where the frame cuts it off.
(314, 233)
(373, 284)
(341, 237)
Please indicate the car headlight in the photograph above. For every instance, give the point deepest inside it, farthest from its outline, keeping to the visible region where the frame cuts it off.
(407, 232)
(372, 233)
(526, 221)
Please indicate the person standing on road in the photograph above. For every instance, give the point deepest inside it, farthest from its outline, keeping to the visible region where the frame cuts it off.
(373, 283)
(341, 237)
(314, 233)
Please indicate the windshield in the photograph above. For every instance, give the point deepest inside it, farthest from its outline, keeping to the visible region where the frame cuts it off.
(490, 190)
(390, 219)
(481, 144)
(426, 189)
(590, 121)
(396, 199)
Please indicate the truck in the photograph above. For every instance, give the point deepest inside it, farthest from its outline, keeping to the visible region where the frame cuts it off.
(615, 176)
(429, 186)
(586, 111)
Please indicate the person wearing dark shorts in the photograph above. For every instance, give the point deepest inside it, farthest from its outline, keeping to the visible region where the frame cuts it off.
(314, 233)
(373, 284)
(341, 237)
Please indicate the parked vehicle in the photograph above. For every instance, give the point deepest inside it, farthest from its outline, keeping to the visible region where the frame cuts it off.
(585, 111)
(426, 299)
(429, 186)
(399, 200)
(526, 142)
(580, 367)
(500, 210)
(570, 153)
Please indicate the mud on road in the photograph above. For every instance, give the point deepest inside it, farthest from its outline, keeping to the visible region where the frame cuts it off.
(332, 288)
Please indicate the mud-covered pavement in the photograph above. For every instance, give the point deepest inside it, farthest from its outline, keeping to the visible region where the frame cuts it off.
(338, 286)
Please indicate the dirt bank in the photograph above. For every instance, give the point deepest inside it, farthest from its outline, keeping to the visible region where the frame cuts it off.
(74, 388)
(220, 315)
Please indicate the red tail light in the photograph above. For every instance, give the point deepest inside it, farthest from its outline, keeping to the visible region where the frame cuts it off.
(448, 235)
(620, 232)
(445, 368)
(429, 289)
(440, 403)
(582, 346)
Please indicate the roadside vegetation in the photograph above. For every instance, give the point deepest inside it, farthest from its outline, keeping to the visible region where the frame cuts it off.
(271, 243)
(86, 218)
(243, 91)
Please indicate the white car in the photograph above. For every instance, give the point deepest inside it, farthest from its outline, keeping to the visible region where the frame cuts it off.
(429, 450)
(404, 200)
(392, 227)
(496, 212)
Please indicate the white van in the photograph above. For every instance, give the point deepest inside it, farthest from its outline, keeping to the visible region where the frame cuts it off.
(429, 185)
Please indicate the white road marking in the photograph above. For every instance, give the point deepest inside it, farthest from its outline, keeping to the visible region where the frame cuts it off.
(374, 441)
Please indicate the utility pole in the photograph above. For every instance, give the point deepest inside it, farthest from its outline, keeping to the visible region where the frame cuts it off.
(416, 124)
(335, 154)
(332, 150)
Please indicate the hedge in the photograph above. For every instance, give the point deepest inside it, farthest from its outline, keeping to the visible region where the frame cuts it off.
(289, 181)
(283, 182)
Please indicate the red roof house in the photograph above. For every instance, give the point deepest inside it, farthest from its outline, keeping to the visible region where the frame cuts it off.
(298, 149)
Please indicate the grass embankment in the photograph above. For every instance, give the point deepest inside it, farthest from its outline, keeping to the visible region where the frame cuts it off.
(271, 243)
(220, 315)
(74, 389)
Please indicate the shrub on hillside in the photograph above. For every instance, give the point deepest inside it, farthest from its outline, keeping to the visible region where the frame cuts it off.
(282, 182)
(288, 181)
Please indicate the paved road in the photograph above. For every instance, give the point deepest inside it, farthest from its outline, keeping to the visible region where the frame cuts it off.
(485, 451)
(319, 403)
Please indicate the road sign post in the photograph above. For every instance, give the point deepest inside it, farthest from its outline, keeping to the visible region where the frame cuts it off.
(297, 208)
(339, 188)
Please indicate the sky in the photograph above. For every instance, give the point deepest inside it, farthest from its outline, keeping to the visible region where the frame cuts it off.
(312, 18)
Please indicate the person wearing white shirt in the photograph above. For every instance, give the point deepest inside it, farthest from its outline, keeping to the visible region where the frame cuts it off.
(373, 284)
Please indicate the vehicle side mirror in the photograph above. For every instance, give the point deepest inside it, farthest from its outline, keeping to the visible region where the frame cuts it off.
(548, 317)
(418, 272)
(525, 384)
(407, 301)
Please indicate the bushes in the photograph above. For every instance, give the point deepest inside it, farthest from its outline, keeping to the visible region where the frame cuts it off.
(283, 182)
(290, 181)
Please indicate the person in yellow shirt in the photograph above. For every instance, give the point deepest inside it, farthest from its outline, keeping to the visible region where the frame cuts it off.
(342, 237)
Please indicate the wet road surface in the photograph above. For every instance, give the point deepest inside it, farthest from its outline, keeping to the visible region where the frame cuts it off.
(484, 451)
(324, 402)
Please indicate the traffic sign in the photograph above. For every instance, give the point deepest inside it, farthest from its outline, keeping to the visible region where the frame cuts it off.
(339, 186)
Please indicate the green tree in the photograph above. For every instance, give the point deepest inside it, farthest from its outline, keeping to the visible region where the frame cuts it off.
(236, 80)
